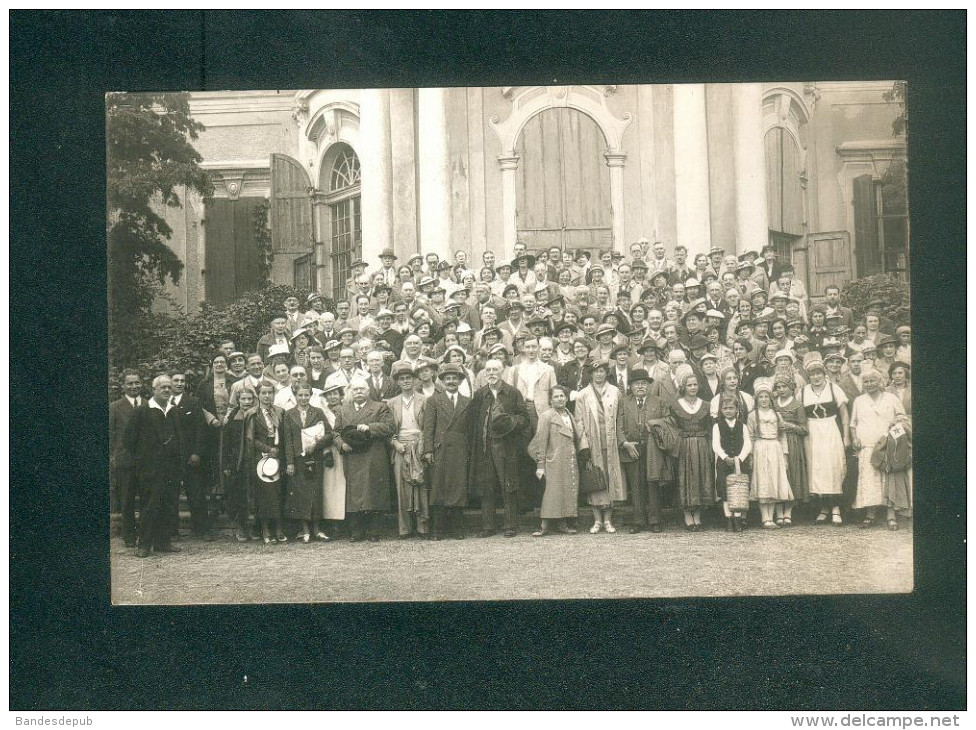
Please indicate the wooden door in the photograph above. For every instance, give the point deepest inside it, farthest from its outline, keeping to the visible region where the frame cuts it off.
(232, 262)
(291, 206)
(562, 185)
(829, 257)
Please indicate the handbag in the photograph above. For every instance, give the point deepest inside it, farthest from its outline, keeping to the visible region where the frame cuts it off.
(591, 479)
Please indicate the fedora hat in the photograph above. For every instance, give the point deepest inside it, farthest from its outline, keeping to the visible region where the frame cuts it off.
(268, 469)
(501, 423)
(357, 440)
(387, 252)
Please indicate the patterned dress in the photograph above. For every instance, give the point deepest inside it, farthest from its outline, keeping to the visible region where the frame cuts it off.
(696, 473)
(795, 419)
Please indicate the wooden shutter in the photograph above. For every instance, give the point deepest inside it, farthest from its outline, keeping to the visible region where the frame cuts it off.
(829, 261)
(231, 259)
(866, 247)
(291, 206)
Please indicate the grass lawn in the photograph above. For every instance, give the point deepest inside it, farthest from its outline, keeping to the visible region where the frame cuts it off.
(799, 560)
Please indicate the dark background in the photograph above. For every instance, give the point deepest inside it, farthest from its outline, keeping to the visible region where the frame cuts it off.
(70, 649)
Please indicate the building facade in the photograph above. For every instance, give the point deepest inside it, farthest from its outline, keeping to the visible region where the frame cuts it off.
(338, 174)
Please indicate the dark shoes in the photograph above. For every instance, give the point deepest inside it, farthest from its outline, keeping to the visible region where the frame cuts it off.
(142, 552)
(487, 533)
(655, 528)
(510, 533)
(636, 529)
(168, 549)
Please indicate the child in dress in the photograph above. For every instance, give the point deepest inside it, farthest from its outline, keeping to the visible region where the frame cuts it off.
(770, 484)
(731, 443)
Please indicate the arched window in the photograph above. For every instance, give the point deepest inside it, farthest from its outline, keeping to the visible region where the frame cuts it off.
(344, 201)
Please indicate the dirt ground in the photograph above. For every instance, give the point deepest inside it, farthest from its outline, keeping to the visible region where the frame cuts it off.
(798, 560)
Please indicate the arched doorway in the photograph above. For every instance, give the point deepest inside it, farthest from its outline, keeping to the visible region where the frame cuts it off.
(562, 183)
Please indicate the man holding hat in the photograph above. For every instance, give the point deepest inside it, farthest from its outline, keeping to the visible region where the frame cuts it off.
(363, 429)
(408, 409)
(447, 442)
(498, 435)
(645, 466)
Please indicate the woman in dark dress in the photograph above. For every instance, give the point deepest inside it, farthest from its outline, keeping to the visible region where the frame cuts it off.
(235, 465)
(264, 435)
(303, 457)
(695, 460)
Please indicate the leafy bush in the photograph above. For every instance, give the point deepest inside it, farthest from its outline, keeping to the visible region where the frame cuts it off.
(187, 343)
(889, 288)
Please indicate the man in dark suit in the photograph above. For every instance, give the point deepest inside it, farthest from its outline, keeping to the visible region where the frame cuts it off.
(447, 428)
(121, 464)
(833, 307)
(620, 374)
(154, 437)
(381, 387)
(369, 479)
(193, 434)
(644, 465)
(498, 440)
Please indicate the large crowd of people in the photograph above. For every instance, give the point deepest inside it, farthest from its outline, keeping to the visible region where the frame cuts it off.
(558, 379)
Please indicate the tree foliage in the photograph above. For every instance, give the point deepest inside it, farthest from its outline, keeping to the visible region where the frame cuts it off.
(186, 343)
(897, 95)
(889, 288)
(150, 158)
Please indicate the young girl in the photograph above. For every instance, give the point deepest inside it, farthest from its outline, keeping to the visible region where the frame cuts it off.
(731, 443)
(770, 484)
(695, 463)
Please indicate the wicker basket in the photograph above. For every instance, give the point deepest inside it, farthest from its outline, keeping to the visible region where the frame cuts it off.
(737, 490)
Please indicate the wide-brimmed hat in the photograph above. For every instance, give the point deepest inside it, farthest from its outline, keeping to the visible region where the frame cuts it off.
(401, 367)
(269, 469)
(335, 386)
(277, 350)
(529, 260)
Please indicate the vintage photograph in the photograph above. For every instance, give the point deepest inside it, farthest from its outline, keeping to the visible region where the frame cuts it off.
(508, 343)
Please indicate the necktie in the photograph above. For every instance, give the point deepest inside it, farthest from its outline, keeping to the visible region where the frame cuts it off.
(640, 404)
(491, 404)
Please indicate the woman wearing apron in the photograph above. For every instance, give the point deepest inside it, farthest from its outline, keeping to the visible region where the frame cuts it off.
(826, 443)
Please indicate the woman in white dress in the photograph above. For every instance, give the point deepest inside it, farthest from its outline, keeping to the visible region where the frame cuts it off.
(333, 478)
(826, 442)
(874, 413)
